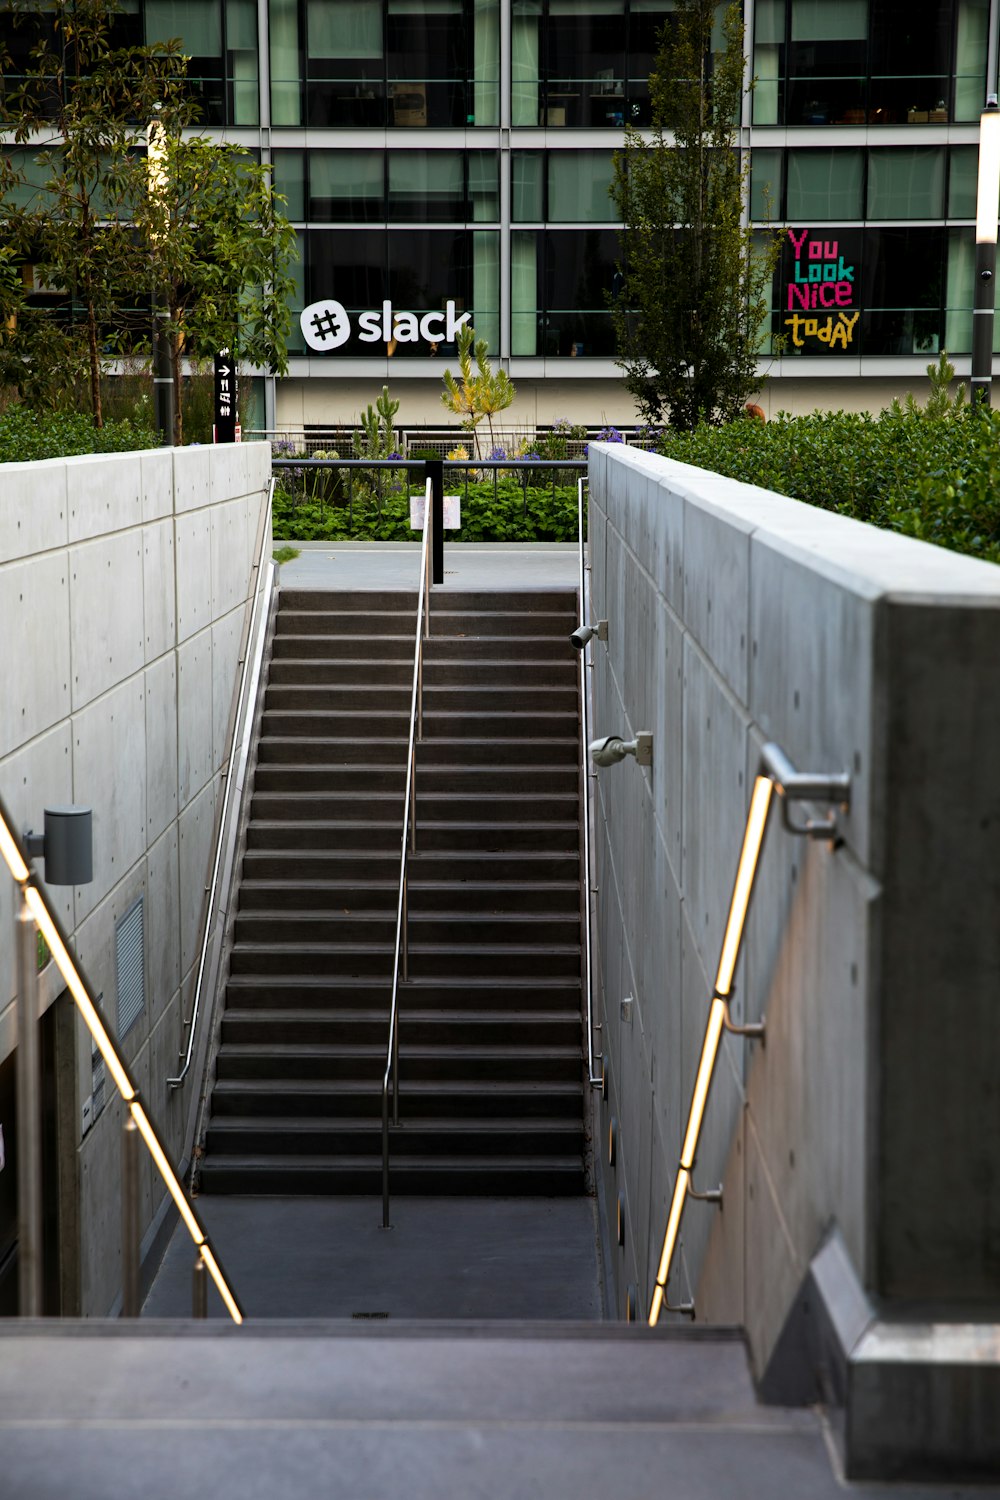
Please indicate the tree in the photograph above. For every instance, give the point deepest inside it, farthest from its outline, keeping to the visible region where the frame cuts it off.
(217, 249)
(477, 392)
(76, 107)
(693, 289)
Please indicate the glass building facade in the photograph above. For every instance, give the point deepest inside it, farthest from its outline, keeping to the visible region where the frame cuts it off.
(454, 156)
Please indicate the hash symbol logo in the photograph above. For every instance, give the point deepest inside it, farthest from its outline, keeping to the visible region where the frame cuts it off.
(325, 325)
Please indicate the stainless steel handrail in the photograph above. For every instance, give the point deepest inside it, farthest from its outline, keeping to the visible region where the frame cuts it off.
(409, 844)
(248, 683)
(596, 1080)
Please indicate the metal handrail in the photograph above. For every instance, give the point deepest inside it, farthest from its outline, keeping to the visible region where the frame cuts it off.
(248, 681)
(409, 842)
(595, 1080)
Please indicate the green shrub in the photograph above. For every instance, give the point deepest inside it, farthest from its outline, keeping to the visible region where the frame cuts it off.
(26, 434)
(920, 473)
(505, 512)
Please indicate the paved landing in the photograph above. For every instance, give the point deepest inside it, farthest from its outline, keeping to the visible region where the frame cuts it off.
(480, 1258)
(467, 565)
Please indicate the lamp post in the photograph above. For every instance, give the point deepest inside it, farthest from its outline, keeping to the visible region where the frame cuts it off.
(164, 395)
(987, 209)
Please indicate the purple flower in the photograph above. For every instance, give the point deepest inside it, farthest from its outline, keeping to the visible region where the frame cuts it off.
(610, 435)
(395, 456)
(497, 456)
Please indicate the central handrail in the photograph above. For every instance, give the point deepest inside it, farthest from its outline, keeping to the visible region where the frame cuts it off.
(408, 846)
(595, 1080)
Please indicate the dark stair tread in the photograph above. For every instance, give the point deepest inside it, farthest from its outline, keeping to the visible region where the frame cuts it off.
(439, 1088)
(491, 1125)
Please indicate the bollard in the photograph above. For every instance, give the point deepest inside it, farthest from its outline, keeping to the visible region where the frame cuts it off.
(29, 1120)
(130, 1219)
(199, 1289)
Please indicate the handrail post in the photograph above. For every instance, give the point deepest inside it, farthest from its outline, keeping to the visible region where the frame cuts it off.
(435, 473)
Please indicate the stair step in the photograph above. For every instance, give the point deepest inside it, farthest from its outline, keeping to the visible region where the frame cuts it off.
(419, 1099)
(325, 992)
(309, 865)
(433, 835)
(390, 749)
(345, 925)
(317, 1061)
(279, 1135)
(426, 960)
(440, 1030)
(437, 806)
(549, 1177)
(361, 779)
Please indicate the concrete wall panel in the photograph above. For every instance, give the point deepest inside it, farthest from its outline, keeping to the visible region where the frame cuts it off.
(104, 492)
(33, 509)
(163, 959)
(106, 602)
(159, 588)
(157, 469)
(39, 776)
(194, 716)
(34, 687)
(109, 775)
(229, 556)
(161, 745)
(195, 827)
(227, 634)
(193, 548)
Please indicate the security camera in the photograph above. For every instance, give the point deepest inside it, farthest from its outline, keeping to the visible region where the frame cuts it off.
(609, 750)
(584, 633)
(612, 748)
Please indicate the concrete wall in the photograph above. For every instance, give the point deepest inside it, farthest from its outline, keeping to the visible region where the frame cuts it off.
(737, 617)
(123, 589)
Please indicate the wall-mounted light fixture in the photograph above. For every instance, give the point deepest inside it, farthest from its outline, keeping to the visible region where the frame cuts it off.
(777, 774)
(611, 748)
(36, 904)
(67, 845)
(584, 633)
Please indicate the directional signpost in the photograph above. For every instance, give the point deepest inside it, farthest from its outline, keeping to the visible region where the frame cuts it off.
(225, 429)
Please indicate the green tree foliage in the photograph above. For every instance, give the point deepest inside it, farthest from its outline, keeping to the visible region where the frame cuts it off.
(210, 241)
(479, 391)
(217, 248)
(77, 105)
(693, 289)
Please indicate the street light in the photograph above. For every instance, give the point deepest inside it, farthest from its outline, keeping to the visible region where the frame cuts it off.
(987, 210)
(164, 396)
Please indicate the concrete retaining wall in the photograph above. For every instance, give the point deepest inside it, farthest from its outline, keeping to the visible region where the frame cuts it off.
(123, 590)
(736, 617)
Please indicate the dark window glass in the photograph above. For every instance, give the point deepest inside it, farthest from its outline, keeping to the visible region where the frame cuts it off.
(579, 271)
(349, 265)
(911, 60)
(426, 185)
(289, 178)
(348, 186)
(428, 60)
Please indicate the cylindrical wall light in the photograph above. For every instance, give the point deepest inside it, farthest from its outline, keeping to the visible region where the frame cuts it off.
(987, 211)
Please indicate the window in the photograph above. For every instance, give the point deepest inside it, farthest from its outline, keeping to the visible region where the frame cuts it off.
(426, 185)
(824, 185)
(765, 184)
(346, 185)
(578, 187)
(906, 182)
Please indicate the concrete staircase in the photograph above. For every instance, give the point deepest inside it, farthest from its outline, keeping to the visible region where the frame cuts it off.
(490, 1029)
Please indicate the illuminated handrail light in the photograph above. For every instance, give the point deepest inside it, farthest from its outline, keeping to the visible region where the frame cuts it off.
(777, 774)
(58, 945)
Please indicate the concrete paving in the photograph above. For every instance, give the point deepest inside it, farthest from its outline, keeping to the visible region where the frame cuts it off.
(496, 1413)
(470, 565)
(480, 1258)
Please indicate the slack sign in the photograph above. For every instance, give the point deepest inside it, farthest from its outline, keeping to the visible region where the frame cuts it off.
(326, 325)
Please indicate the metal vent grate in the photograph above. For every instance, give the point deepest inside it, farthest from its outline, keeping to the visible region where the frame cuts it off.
(130, 966)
